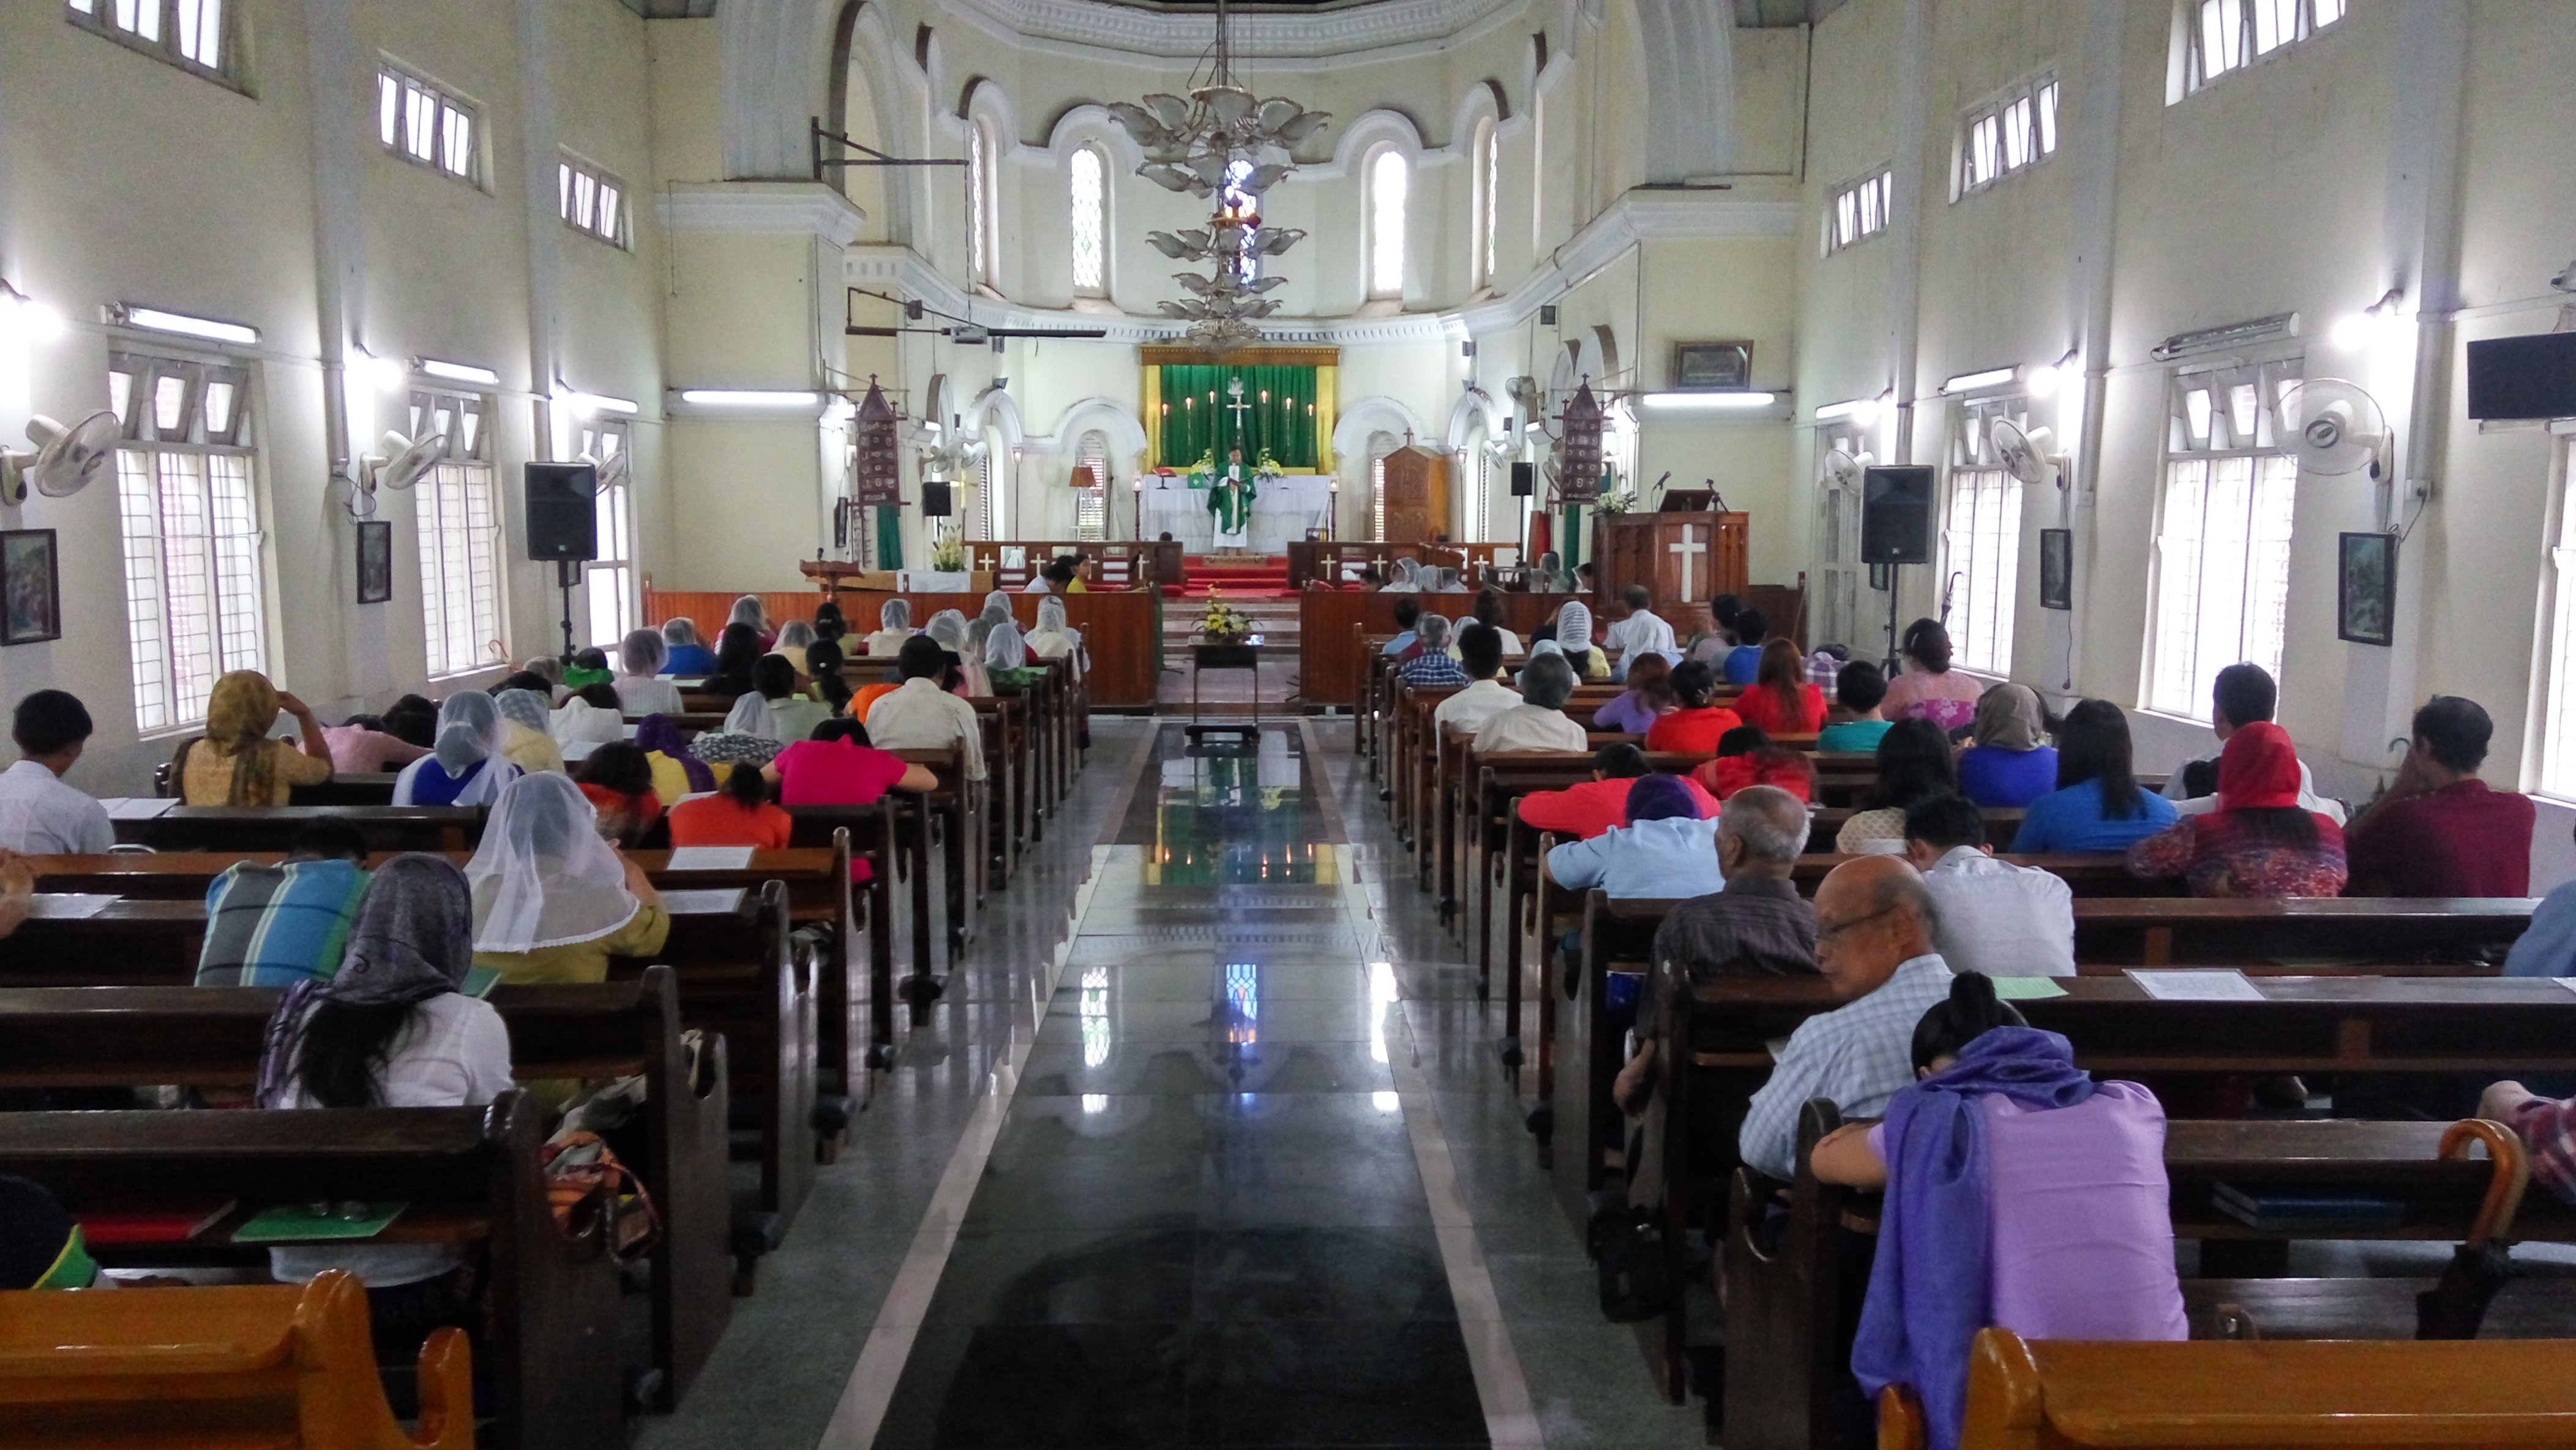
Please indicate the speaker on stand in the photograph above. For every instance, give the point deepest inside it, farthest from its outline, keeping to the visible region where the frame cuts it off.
(563, 526)
(934, 499)
(1895, 528)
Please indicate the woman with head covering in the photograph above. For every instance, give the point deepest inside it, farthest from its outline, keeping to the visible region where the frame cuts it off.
(1574, 636)
(1054, 639)
(997, 611)
(1781, 700)
(2259, 842)
(465, 766)
(948, 628)
(1928, 687)
(2008, 767)
(392, 1029)
(748, 612)
(793, 638)
(793, 715)
(751, 735)
(683, 656)
(527, 736)
(1006, 654)
(552, 901)
(894, 626)
(640, 688)
(235, 763)
(737, 650)
(1404, 577)
(1915, 764)
(588, 716)
(677, 771)
(2021, 1195)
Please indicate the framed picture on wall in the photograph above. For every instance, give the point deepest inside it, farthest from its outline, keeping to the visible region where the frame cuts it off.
(2366, 588)
(31, 588)
(2057, 568)
(1713, 366)
(375, 562)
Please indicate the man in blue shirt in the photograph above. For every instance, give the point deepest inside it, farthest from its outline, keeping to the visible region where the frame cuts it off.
(1665, 850)
(1406, 612)
(1744, 662)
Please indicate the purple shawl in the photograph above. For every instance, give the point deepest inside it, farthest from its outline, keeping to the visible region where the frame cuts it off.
(1931, 1288)
(658, 733)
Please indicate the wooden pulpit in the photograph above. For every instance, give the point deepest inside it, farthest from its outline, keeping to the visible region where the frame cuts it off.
(1417, 495)
(1684, 559)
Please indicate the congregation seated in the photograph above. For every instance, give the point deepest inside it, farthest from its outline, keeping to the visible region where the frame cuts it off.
(1927, 688)
(1480, 660)
(40, 815)
(795, 715)
(1915, 764)
(1539, 721)
(919, 715)
(1995, 917)
(618, 781)
(1781, 700)
(1642, 632)
(466, 767)
(1435, 667)
(682, 653)
(1573, 637)
(2008, 766)
(1006, 657)
(1874, 948)
(1054, 638)
(1489, 613)
(1666, 849)
(1648, 698)
(641, 688)
(527, 727)
(1588, 808)
(2059, 1227)
(894, 626)
(2098, 804)
(2241, 695)
(1859, 690)
(552, 900)
(1742, 665)
(1408, 615)
(948, 630)
(2260, 841)
(235, 763)
(276, 926)
(1746, 757)
(2438, 830)
(1698, 722)
(840, 766)
(738, 650)
(391, 1029)
(360, 745)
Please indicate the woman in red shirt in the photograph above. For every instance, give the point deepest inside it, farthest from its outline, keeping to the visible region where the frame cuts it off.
(1781, 701)
(1701, 722)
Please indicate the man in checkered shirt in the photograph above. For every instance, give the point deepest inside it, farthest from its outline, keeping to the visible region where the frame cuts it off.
(1874, 923)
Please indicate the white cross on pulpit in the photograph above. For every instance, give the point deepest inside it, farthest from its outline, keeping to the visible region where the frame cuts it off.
(1688, 549)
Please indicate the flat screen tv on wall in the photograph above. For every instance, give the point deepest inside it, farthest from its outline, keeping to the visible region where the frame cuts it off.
(2523, 377)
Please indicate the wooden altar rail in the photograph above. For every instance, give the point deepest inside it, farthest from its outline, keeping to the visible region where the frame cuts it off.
(1330, 624)
(1121, 632)
(1107, 563)
(1317, 561)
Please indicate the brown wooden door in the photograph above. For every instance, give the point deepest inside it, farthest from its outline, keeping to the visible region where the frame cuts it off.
(1417, 495)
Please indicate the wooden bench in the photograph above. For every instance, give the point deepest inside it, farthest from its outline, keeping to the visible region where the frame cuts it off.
(274, 828)
(2151, 931)
(470, 1178)
(285, 1365)
(212, 1037)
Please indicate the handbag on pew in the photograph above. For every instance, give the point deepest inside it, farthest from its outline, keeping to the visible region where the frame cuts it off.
(580, 1169)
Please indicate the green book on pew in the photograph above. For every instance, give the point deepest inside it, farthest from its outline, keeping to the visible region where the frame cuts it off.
(287, 1223)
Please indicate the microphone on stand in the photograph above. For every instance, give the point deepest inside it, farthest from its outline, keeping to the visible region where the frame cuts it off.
(1659, 488)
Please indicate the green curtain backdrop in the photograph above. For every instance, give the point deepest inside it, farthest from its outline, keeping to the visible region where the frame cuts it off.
(1199, 417)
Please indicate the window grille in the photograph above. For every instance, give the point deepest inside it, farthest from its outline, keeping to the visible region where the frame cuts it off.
(591, 201)
(187, 503)
(1860, 211)
(2223, 534)
(2229, 35)
(422, 123)
(1981, 537)
(458, 519)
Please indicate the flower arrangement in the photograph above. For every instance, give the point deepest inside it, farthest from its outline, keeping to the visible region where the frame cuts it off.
(1221, 625)
(948, 556)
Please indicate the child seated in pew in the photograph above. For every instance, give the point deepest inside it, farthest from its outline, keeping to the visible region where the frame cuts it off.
(830, 688)
(552, 901)
(1746, 756)
(2021, 1194)
(392, 1029)
(276, 926)
(1858, 723)
(618, 781)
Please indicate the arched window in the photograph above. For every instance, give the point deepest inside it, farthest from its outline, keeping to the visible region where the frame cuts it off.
(979, 203)
(1091, 501)
(1090, 200)
(1379, 446)
(1489, 177)
(1387, 182)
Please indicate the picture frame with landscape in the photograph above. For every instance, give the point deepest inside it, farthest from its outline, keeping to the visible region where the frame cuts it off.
(2366, 588)
(375, 562)
(31, 587)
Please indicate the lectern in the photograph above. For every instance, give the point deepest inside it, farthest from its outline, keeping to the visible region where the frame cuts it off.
(1684, 559)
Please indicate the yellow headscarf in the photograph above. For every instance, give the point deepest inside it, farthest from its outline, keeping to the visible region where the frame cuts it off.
(238, 716)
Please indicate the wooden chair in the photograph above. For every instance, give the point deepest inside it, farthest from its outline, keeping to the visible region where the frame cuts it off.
(283, 1365)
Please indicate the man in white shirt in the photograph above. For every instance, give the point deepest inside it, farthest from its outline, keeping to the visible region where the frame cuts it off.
(1997, 918)
(39, 815)
(919, 715)
(1642, 632)
(1480, 654)
(1539, 721)
(2242, 695)
(1874, 923)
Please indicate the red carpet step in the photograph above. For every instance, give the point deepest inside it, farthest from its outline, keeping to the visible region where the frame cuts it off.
(1267, 579)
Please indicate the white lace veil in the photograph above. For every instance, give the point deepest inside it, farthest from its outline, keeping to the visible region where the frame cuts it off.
(543, 877)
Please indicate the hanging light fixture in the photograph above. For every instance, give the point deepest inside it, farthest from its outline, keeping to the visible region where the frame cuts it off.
(1217, 144)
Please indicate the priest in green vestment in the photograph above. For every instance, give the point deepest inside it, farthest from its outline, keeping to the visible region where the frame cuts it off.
(1230, 501)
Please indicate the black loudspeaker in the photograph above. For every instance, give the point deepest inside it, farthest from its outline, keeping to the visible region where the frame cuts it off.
(562, 522)
(934, 499)
(1524, 479)
(1896, 515)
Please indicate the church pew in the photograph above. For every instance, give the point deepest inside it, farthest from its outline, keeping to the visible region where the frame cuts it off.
(274, 828)
(212, 1037)
(470, 1177)
(958, 804)
(1338, 624)
(2153, 931)
(291, 1364)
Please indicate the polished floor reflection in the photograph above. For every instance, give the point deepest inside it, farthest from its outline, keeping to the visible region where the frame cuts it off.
(1202, 1220)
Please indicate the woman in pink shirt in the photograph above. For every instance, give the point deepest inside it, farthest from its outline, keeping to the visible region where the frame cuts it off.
(1928, 689)
(838, 767)
(363, 745)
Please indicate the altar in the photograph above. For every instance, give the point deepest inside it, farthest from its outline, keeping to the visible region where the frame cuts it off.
(1283, 509)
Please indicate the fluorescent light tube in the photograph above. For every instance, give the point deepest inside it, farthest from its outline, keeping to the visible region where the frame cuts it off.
(745, 398)
(1859, 410)
(1728, 401)
(1990, 378)
(207, 327)
(460, 372)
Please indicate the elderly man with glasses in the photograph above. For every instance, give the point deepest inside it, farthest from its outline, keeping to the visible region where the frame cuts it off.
(1874, 927)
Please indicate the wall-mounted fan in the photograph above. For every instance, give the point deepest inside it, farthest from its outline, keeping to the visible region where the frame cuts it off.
(402, 463)
(2337, 428)
(66, 460)
(615, 469)
(2028, 454)
(1845, 470)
